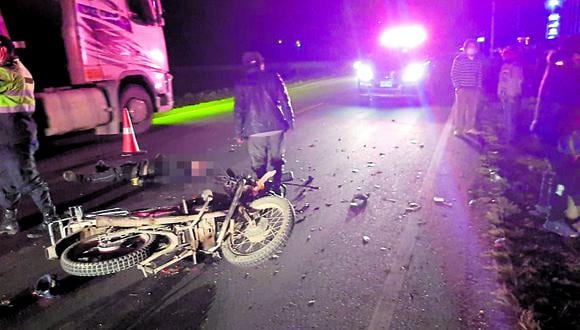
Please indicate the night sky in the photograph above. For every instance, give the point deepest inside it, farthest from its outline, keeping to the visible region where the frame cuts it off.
(206, 32)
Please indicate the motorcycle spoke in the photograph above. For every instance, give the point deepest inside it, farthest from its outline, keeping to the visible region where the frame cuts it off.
(271, 220)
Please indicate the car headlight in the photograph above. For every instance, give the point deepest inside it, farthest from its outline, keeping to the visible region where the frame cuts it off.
(415, 72)
(365, 72)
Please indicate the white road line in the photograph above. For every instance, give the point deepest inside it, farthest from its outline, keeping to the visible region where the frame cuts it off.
(392, 287)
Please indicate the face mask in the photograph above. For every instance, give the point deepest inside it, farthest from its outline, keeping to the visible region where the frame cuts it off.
(471, 51)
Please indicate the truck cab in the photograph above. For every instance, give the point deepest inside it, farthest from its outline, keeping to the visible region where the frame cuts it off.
(91, 59)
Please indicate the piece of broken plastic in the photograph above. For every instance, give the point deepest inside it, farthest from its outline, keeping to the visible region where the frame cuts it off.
(413, 207)
(442, 201)
(45, 285)
(359, 201)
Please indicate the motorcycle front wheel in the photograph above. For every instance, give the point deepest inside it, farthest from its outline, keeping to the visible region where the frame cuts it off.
(254, 242)
(93, 257)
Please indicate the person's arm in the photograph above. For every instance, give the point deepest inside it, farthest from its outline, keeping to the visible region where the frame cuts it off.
(520, 74)
(4, 80)
(239, 112)
(455, 71)
(541, 99)
(501, 91)
(284, 99)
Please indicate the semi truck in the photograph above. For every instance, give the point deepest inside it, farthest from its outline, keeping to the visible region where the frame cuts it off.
(91, 59)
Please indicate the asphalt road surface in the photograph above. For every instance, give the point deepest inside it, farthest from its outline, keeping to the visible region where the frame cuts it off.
(421, 269)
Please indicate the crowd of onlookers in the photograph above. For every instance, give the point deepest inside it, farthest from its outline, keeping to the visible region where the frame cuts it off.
(550, 77)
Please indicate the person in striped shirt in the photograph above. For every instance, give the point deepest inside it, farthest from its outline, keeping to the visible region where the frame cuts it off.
(466, 75)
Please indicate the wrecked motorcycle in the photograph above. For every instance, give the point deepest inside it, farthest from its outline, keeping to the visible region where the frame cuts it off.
(247, 224)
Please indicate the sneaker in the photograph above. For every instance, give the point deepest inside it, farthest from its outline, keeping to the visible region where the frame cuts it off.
(560, 227)
(9, 223)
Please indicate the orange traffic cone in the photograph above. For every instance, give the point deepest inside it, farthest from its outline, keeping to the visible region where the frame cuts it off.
(130, 145)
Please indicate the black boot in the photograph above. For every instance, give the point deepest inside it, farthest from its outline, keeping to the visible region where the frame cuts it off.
(9, 223)
(277, 187)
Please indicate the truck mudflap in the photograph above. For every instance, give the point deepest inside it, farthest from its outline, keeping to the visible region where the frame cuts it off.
(74, 110)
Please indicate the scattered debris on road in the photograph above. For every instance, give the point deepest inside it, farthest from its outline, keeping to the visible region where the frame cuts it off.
(442, 201)
(45, 286)
(308, 238)
(303, 209)
(390, 200)
(354, 170)
(328, 204)
(413, 207)
(274, 257)
(366, 239)
(170, 271)
(359, 201)
(300, 196)
(383, 249)
(311, 302)
(302, 219)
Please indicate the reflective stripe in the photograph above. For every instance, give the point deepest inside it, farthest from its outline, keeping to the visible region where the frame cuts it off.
(127, 130)
(17, 109)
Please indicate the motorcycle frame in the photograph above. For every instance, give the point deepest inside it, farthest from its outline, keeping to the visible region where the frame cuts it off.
(184, 239)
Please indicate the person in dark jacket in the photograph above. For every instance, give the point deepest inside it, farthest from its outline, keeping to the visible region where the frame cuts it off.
(263, 114)
(18, 142)
(557, 125)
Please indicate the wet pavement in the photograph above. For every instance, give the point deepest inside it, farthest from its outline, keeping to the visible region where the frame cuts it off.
(402, 260)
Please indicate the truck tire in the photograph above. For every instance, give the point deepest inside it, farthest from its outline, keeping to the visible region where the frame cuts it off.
(140, 105)
(266, 205)
(98, 263)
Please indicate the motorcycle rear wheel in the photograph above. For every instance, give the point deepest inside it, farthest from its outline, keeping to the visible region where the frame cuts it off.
(251, 245)
(88, 259)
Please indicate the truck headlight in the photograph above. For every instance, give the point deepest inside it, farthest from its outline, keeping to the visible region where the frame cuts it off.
(364, 72)
(415, 72)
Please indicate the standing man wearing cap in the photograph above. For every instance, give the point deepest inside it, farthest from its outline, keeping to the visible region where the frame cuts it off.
(18, 142)
(263, 114)
(466, 75)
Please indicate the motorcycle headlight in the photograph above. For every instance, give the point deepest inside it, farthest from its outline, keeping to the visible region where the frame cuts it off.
(365, 72)
(415, 72)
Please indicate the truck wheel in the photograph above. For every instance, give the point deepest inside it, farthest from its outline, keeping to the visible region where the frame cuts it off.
(140, 105)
